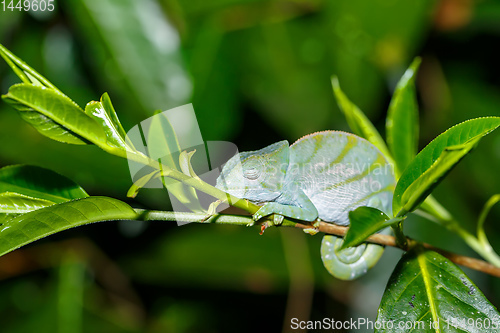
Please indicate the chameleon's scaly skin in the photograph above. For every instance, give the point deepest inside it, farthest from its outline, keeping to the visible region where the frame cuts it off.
(322, 175)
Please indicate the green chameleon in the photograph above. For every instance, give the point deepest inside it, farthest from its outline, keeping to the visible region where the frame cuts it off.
(321, 177)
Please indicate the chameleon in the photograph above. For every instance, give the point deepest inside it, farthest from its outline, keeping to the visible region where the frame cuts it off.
(321, 177)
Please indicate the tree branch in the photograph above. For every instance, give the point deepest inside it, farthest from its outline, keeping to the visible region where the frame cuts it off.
(475, 264)
(250, 207)
(327, 228)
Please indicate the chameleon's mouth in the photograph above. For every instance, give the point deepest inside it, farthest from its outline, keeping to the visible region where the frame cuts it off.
(254, 195)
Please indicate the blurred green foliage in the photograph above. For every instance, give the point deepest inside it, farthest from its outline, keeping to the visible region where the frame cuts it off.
(257, 72)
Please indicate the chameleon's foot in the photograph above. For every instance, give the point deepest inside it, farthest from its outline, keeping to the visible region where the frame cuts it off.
(277, 219)
(265, 211)
(257, 216)
(311, 231)
(315, 229)
(262, 212)
(251, 224)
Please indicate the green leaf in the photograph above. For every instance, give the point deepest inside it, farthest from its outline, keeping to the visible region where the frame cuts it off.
(163, 145)
(104, 113)
(465, 134)
(54, 115)
(29, 227)
(402, 119)
(416, 193)
(365, 221)
(358, 122)
(427, 288)
(145, 68)
(23, 71)
(110, 111)
(6, 217)
(481, 235)
(15, 203)
(39, 183)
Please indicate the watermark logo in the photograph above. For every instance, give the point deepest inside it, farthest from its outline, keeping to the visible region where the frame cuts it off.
(334, 325)
(163, 137)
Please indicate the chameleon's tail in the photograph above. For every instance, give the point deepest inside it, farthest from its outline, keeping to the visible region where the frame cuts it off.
(350, 263)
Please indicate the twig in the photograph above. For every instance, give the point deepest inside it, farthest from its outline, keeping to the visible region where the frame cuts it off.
(251, 208)
(327, 228)
(475, 264)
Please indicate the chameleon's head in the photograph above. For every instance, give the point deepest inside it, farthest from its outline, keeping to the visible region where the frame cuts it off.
(258, 175)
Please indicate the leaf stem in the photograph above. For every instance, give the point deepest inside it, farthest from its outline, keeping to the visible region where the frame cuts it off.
(197, 183)
(401, 240)
(433, 211)
(154, 215)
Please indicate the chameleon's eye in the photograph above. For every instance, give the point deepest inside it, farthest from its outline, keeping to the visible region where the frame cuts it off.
(252, 169)
(251, 174)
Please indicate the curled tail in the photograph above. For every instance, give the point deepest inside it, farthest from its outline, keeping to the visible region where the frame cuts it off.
(350, 263)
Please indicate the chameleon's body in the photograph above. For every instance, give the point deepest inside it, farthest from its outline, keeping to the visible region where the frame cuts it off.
(323, 175)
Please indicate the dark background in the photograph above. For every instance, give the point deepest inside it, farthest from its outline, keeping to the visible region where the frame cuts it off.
(256, 72)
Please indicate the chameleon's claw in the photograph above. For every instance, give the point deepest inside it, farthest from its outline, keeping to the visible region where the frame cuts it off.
(257, 217)
(263, 211)
(277, 219)
(315, 229)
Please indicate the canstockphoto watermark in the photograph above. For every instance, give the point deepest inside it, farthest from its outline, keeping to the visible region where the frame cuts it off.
(367, 324)
(351, 324)
(162, 138)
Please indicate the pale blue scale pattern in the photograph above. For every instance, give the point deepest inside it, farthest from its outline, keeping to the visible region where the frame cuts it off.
(326, 181)
(323, 175)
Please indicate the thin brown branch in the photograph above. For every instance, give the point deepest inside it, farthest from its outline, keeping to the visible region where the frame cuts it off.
(327, 228)
(473, 263)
